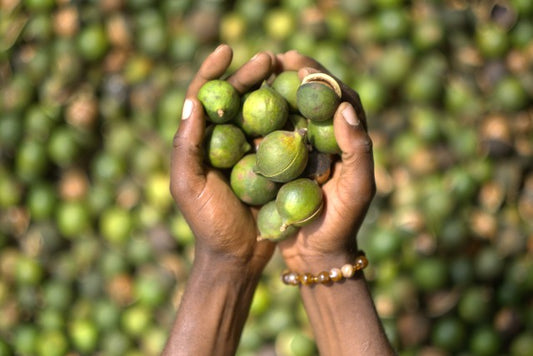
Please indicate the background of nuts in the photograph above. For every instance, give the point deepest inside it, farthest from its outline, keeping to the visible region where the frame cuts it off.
(90, 96)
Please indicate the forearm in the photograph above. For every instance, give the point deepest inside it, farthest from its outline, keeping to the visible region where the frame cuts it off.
(213, 310)
(342, 314)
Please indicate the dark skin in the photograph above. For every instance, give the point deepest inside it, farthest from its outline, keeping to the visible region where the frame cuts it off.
(229, 259)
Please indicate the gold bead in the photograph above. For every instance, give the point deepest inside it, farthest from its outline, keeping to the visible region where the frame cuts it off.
(335, 274)
(307, 278)
(323, 277)
(361, 262)
(347, 271)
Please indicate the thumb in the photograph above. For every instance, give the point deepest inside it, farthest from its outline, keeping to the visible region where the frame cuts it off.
(356, 177)
(187, 174)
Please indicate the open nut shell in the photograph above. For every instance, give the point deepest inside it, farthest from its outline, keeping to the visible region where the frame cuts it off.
(324, 79)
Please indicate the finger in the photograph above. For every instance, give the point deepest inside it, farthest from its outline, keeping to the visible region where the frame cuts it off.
(348, 94)
(252, 73)
(212, 67)
(293, 60)
(356, 176)
(187, 174)
(305, 71)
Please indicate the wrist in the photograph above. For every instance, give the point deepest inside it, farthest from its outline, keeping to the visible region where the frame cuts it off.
(214, 305)
(224, 267)
(315, 261)
(315, 264)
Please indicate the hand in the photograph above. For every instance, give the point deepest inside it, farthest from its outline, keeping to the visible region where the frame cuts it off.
(224, 227)
(347, 195)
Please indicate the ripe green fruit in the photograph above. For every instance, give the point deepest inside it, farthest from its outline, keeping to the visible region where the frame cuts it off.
(249, 186)
(509, 94)
(261, 300)
(136, 319)
(522, 344)
(282, 155)
(28, 271)
(5, 349)
(279, 23)
(392, 23)
(492, 40)
(25, 339)
(52, 343)
(299, 202)
(225, 145)
(11, 130)
(286, 84)
(220, 100)
(269, 223)
(10, 190)
(93, 42)
(115, 225)
(449, 333)
(475, 304)
(295, 342)
(264, 110)
(50, 319)
(72, 218)
(31, 161)
(430, 274)
(39, 5)
(84, 335)
(485, 341)
(106, 315)
(115, 342)
(298, 121)
(318, 97)
(150, 287)
(322, 136)
(63, 147)
(57, 294)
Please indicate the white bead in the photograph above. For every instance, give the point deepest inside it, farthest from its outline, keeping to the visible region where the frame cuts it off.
(347, 271)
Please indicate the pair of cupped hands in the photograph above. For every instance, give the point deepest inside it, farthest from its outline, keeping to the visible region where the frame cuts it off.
(225, 228)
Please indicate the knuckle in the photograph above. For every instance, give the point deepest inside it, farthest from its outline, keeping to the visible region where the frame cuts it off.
(179, 187)
(177, 140)
(364, 145)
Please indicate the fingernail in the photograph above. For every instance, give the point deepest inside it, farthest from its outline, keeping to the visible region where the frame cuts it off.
(255, 57)
(350, 116)
(187, 109)
(220, 46)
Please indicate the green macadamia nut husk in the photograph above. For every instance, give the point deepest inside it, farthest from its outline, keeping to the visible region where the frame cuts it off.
(299, 202)
(250, 187)
(225, 145)
(264, 110)
(287, 83)
(317, 101)
(220, 100)
(269, 223)
(282, 155)
(321, 135)
(318, 96)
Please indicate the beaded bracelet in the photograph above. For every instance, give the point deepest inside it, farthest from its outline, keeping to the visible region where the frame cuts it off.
(324, 277)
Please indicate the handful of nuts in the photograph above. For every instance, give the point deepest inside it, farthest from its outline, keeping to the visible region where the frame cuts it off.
(277, 145)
